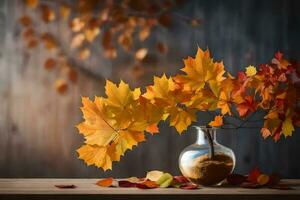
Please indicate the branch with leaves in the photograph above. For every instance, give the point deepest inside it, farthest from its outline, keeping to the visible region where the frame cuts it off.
(117, 26)
(117, 122)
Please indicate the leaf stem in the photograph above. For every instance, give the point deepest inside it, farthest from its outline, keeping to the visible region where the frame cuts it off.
(211, 144)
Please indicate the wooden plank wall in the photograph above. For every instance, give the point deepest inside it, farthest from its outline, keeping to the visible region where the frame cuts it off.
(37, 134)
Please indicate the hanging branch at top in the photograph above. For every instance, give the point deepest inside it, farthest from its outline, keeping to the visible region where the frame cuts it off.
(204, 86)
(117, 25)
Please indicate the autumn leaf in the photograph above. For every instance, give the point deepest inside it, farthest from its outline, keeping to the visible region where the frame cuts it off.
(32, 3)
(77, 40)
(47, 14)
(65, 186)
(263, 179)
(91, 33)
(287, 127)
(265, 132)
(77, 24)
(247, 106)
(65, 11)
(201, 70)
(25, 20)
(250, 71)
(50, 63)
(166, 94)
(141, 54)
(107, 182)
(154, 175)
(61, 86)
(112, 125)
(253, 175)
(84, 53)
(218, 121)
(96, 155)
(224, 103)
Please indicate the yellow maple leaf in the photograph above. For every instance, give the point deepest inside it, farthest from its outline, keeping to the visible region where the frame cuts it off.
(201, 70)
(98, 155)
(250, 71)
(287, 127)
(169, 97)
(223, 103)
(113, 125)
(97, 127)
(121, 101)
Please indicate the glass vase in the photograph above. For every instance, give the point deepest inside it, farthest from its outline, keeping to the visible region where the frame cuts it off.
(206, 162)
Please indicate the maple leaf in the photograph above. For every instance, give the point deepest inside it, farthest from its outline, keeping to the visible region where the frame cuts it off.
(168, 95)
(113, 125)
(121, 101)
(224, 103)
(287, 127)
(218, 121)
(250, 71)
(201, 70)
(246, 107)
(97, 127)
(96, 155)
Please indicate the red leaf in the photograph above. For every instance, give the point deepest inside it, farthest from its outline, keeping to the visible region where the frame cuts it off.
(247, 106)
(236, 179)
(126, 184)
(274, 179)
(180, 179)
(189, 186)
(147, 185)
(253, 175)
(250, 185)
(281, 187)
(67, 186)
(242, 76)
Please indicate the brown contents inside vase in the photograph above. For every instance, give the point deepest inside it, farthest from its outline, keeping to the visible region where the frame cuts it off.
(206, 171)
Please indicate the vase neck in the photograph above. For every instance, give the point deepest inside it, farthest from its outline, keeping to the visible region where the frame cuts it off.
(202, 137)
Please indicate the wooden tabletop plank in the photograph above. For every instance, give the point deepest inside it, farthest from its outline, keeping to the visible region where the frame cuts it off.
(88, 186)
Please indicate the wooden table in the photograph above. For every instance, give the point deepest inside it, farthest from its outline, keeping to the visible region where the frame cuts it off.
(86, 189)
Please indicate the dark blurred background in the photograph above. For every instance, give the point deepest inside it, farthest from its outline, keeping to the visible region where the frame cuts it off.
(37, 134)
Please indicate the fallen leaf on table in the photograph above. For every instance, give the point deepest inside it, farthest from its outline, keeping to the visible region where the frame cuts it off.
(180, 179)
(124, 183)
(147, 185)
(189, 186)
(134, 179)
(274, 179)
(154, 175)
(165, 180)
(107, 182)
(66, 186)
(281, 187)
(253, 175)
(236, 179)
(263, 179)
(250, 185)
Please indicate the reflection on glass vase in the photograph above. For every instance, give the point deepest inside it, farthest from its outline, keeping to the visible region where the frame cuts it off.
(206, 162)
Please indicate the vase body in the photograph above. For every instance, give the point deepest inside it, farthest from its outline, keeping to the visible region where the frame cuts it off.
(206, 162)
